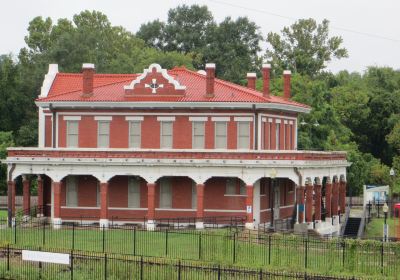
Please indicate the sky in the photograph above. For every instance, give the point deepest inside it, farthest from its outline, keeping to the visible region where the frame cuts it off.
(370, 29)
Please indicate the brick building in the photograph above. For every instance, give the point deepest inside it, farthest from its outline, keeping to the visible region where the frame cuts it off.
(174, 143)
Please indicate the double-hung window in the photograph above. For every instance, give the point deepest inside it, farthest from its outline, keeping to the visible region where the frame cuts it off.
(103, 136)
(243, 131)
(133, 193)
(135, 134)
(71, 191)
(166, 134)
(165, 193)
(72, 133)
(198, 135)
(221, 134)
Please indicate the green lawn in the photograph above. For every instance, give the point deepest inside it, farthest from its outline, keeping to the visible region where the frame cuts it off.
(3, 214)
(375, 228)
(334, 256)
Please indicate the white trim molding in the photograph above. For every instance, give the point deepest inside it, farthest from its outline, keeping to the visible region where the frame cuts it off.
(225, 210)
(176, 209)
(134, 118)
(163, 72)
(81, 207)
(220, 119)
(243, 119)
(48, 80)
(72, 118)
(103, 118)
(166, 119)
(198, 119)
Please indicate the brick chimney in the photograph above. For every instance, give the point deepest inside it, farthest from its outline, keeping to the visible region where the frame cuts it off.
(251, 80)
(210, 79)
(286, 84)
(266, 68)
(88, 71)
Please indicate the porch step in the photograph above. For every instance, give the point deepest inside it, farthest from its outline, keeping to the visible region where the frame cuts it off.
(352, 226)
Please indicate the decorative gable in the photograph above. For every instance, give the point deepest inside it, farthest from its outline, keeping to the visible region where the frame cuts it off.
(154, 81)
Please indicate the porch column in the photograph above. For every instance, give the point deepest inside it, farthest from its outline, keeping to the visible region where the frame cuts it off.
(26, 204)
(309, 203)
(151, 206)
(335, 201)
(342, 196)
(249, 207)
(200, 206)
(11, 201)
(317, 203)
(57, 205)
(40, 196)
(300, 202)
(104, 204)
(328, 200)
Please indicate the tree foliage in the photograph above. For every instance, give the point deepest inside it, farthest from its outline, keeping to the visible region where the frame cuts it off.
(305, 47)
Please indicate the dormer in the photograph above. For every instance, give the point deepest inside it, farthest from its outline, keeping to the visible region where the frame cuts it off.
(154, 81)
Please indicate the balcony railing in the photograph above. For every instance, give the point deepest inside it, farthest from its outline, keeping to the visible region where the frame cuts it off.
(175, 154)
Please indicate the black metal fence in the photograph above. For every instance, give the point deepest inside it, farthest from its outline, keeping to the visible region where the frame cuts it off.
(89, 265)
(226, 246)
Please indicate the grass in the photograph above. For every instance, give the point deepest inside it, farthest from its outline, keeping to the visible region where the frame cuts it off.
(3, 214)
(375, 228)
(334, 256)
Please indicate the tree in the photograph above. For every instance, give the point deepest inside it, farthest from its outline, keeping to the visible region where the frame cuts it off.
(305, 47)
(6, 140)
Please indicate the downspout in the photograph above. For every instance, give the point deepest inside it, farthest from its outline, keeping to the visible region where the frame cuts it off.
(300, 182)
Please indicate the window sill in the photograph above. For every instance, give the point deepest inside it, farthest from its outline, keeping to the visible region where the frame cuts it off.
(80, 207)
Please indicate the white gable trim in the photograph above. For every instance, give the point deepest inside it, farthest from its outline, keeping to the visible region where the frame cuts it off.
(163, 72)
(134, 118)
(48, 80)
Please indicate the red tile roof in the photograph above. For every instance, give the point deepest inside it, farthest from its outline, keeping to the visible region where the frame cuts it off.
(110, 87)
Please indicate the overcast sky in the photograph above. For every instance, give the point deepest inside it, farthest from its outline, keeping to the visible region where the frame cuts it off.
(370, 29)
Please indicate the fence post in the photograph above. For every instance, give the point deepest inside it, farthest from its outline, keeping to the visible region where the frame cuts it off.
(104, 238)
(382, 257)
(44, 233)
(72, 264)
(141, 267)
(15, 232)
(219, 272)
(134, 241)
(105, 266)
(234, 248)
(8, 257)
(200, 246)
(179, 270)
(305, 252)
(269, 249)
(344, 251)
(261, 276)
(73, 236)
(166, 242)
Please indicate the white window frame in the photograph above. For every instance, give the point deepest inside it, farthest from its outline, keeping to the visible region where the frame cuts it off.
(200, 136)
(103, 134)
(69, 134)
(164, 145)
(165, 197)
(71, 185)
(133, 193)
(247, 137)
(216, 136)
(138, 134)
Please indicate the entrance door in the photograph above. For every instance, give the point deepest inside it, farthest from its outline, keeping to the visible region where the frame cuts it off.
(277, 201)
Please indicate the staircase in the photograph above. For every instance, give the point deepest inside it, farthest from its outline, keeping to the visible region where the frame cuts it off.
(352, 226)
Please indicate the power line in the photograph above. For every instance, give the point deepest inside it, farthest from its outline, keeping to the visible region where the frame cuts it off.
(372, 35)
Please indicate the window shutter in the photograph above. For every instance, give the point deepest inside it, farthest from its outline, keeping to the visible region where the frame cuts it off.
(220, 135)
(72, 192)
(134, 193)
(198, 135)
(230, 186)
(243, 135)
(135, 134)
(165, 193)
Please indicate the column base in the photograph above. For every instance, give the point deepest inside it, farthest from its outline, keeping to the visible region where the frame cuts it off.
(318, 224)
(249, 225)
(199, 225)
(57, 222)
(26, 218)
(335, 220)
(328, 220)
(310, 225)
(151, 225)
(13, 221)
(103, 223)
